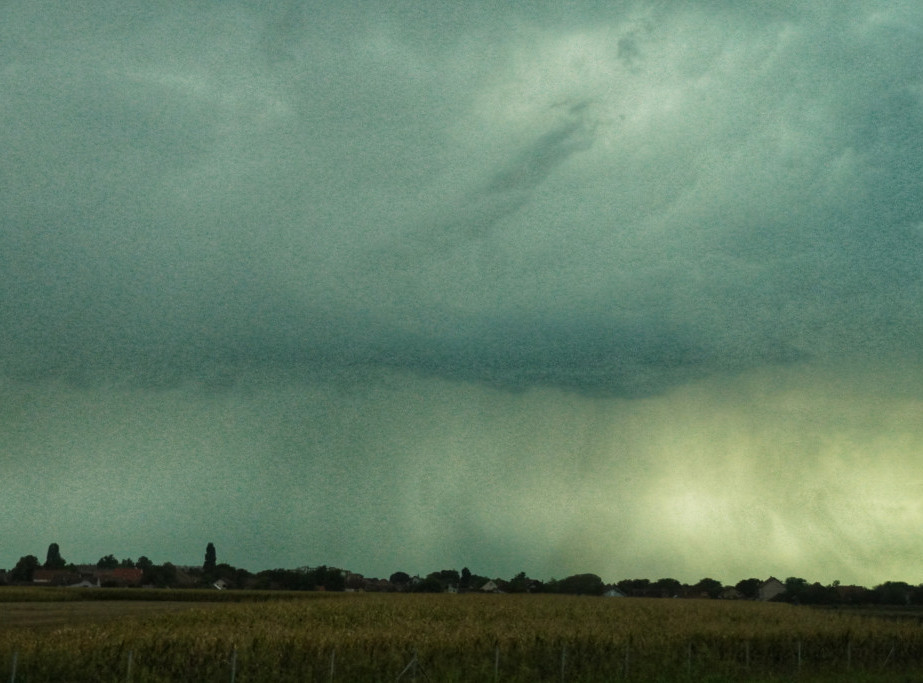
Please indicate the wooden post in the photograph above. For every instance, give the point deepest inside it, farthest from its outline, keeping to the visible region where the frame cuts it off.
(689, 658)
(13, 672)
(888, 658)
(563, 661)
(627, 650)
(333, 654)
(496, 664)
(128, 669)
(233, 664)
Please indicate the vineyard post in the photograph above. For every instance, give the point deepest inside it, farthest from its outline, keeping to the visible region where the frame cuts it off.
(627, 650)
(411, 667)
(13, 672)
(888, 658)
(689, 658)
(496, 663)
(333, 654)
(747, 655)
(128, 669)
(848, 655)
(233, 664)
(799, 656)
(563, 661)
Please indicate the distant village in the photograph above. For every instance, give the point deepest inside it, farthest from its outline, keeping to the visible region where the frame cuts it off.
(109, 572)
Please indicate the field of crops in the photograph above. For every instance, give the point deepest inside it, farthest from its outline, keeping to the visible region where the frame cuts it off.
(397, 637)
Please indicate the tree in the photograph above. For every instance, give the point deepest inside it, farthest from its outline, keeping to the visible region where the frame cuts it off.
(818, 594)
(107, 562)
(749, 588)
(794, 587)
(582, 584)
(53, 559)
(707, 586)
(25, 568)
(893, 593)
(210, 559)
(668, 588)
(400, 580)
(161, 576)
(519, 583)
(464, 582)
(634, 587)
(431, 584)
(145, 565)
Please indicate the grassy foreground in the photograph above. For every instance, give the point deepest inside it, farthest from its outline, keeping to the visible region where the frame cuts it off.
(397, 637)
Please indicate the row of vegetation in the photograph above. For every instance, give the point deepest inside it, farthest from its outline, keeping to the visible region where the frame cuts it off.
(168, 575)
(392, 637)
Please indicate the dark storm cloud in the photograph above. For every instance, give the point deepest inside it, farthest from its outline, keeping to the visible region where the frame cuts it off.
(617, 199)
(552, 287)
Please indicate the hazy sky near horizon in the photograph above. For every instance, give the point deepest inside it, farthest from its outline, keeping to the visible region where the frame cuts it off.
(629, 288)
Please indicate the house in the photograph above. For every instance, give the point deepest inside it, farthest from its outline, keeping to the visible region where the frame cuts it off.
(221, 585)
(770, 588)
(613, 592)
(54, 577)
(730, 593)
(378, 585)
(490, 587)
(120, 576)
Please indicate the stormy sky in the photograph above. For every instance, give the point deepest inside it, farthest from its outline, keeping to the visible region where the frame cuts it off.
(631, 288)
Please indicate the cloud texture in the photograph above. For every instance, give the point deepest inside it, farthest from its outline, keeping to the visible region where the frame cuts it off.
(507, 280)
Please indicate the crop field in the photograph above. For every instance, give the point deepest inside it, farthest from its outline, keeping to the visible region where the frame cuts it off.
(70, 635)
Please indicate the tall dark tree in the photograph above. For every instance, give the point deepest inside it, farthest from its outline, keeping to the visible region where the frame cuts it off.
(24, 568)
(210, 559)
(53, 559)
(145, 565)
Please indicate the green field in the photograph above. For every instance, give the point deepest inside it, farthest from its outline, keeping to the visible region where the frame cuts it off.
(135, 635)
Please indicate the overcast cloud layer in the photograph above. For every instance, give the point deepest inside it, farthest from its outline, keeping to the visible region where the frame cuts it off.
(630, 288)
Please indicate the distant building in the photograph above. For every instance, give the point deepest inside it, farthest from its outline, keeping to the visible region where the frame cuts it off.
(730, 593)
(86, 583)
(54, 577)
(120, 576)
(770, 588)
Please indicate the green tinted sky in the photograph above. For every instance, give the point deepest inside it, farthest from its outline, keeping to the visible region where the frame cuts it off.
(629, 288)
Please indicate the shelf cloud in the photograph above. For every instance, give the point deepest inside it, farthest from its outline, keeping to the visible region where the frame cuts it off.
(620, 288)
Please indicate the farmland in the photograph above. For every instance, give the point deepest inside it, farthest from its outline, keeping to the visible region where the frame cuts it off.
(70, 635)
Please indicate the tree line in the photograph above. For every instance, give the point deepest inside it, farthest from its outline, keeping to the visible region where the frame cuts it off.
(212, 573)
